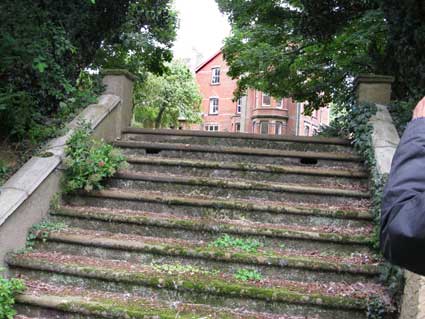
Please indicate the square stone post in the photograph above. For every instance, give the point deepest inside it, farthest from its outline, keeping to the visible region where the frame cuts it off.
(120, 83)
(372, 88)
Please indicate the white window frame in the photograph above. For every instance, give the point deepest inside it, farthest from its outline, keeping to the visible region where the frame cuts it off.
(215, 75)
(279, 105)
(213, 109)
(262, 99)
(239, 106)
(211, 127)
(278, 128)
(261, 127)
(306, 127)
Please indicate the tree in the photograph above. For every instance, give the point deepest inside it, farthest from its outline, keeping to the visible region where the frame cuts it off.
(161, 101)
(44, 45)
(312, 49)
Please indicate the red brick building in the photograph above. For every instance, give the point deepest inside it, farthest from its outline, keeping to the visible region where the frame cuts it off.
(254, 113)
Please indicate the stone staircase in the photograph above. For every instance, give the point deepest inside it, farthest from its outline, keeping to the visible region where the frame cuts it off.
(211, 225)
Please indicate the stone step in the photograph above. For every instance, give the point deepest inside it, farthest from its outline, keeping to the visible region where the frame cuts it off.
(297, 143)
(288, 213)
(332, 300)
(62, 301)
(237, 189)
(326, 239)
(280, 263)
(242, 154)
(274, 173)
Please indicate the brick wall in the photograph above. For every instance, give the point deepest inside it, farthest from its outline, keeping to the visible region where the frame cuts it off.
(275, 116)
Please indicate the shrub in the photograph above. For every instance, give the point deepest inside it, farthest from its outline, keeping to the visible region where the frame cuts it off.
(89, 161)
(9, 288)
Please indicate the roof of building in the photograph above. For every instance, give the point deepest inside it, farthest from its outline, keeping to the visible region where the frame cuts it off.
(207, 61)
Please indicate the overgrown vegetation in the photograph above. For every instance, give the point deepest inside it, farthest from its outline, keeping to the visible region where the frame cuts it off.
(353, 122)
(376, 309)
(45, 45)
(41, 231)
(3, 171)
(401, 112)
(248, 274)
(227, 241)
(165, 100)
(9, 288)
(89, 161)
(181, 269)
(312, 50)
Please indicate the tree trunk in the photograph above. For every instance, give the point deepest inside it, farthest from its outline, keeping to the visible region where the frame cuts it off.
(159, 117)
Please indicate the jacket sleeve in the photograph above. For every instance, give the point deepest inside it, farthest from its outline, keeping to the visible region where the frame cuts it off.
(403, 206)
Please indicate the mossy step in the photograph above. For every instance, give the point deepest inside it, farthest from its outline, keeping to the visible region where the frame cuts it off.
(246, 166)
(99, 304)
(232, 139)
(245, 136)
(174, 277)
(236, 171)
(337, 156)
(243, 185)
(282, 258)
(345, 236)
(275, 207)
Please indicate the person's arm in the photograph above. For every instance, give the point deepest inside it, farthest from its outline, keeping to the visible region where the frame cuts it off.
(403, 204)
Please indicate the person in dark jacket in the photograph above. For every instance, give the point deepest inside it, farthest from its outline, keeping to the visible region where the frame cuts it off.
(403, 204)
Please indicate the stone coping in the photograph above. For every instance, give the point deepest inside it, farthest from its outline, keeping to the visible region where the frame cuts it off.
(231, 135)
(124, 72)
(34, 172)
(373, 78)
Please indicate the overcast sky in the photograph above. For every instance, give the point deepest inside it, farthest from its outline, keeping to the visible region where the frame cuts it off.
(202, 28)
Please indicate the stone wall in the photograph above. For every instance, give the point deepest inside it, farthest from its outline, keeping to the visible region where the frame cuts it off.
(25, 198)
(385, 139)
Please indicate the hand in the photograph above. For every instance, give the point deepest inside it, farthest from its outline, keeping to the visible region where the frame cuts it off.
(419, 109)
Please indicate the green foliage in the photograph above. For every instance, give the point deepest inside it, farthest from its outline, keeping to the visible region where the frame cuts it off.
(353, 121)
(401, 112)
(42, 231)
(161, 101)
(89, 161)
(311, 50)
(275, 48)
(393, 277)
(145, 39)
(376, 309)
(3, 171)
(406, 44)
(9, 288)
(44, 46)
(227, 241)
(248, 274)
(181, 269)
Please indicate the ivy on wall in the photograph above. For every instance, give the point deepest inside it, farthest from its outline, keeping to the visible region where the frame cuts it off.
(353, 122)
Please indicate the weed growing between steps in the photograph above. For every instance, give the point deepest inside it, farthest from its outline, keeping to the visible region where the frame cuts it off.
(355, 123)
(227, 241)
(182, 269)
(88, 161)
(9, 288)
(41, 231)
(248, 274)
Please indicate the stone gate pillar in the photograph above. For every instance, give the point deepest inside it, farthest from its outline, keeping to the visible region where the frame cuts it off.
(120, 83)
(372, 88)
